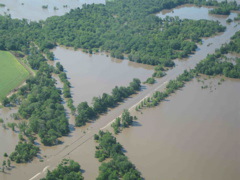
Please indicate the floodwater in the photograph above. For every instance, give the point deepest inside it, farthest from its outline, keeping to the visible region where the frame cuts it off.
(80, 146)
(93, 75)
(30, 10)
(194, 134)
(195, 13)
(7, 144)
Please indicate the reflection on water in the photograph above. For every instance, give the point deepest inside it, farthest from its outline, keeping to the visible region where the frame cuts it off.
(193, 135)
(92, 75)
(33, 10)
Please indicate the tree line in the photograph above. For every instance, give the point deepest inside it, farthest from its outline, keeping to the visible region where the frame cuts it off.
(119, 167)
(123, 28)
(41, 102)
(85, 113)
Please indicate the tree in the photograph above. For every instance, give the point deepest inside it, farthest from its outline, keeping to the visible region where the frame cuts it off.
(9, 163)
(67, 170)
(5, 101)
(5, 155)
(127, 119)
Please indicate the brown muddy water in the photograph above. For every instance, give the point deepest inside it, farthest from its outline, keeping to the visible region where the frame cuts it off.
(8, 138)
(93, 75)
(194, 134)
(80, 146)
(32, 10)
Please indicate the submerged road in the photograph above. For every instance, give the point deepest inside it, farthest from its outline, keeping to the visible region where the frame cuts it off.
(37, 170)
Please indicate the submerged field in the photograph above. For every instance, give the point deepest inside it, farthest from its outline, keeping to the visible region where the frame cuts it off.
(12, 73)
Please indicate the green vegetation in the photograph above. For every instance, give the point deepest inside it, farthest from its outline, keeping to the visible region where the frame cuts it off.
(213, 65)
(216, 65)
(24, 152)
(100, 104)
(12, 73)
(44, 6)
(171, 87)
(2, 5)
(119, 167)
(224, 7)
(12, 126)
(150, 80)
(120, 27)
(237, 18)
(116, 125)
(67, 170)
(41, 102)
(229, 20)
(114, 28)
(125, 121)
(159, 71)
(123, 28)
(66, 87)
(108, 146)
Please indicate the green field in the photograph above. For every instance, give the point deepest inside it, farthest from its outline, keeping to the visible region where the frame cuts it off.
(12, 73)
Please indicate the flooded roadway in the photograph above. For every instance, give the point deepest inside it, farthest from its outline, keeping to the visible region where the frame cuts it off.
(75, 145)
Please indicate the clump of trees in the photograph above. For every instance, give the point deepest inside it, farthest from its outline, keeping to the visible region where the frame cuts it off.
(41, 102)
(67, 169)
(5, 101)
(122, 122)
(213, 65)
(159, 71)
(171, 87)
(24, 152)
(216, 64)
(224, 7)
(108, 146)
(119, 167)
(100, 104)
(150, 80)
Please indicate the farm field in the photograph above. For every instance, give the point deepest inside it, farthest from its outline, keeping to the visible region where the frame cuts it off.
(12, 73)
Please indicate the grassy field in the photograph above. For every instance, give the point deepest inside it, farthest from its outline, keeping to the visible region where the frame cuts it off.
(12, 73)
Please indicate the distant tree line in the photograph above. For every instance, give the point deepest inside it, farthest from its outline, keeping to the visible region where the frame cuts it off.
(223, 7)
(123, 28)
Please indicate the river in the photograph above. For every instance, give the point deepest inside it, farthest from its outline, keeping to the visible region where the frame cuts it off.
(79, 145)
